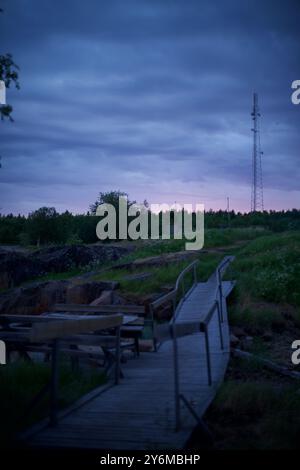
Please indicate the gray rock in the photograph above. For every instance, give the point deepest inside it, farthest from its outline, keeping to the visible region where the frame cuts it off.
(234, 341)
(16, 268)
(238, 331)
(105, 298)
(60, 259)
(41, 296)
(34, 299)
(85, 293)
(267, 336)
(247, 342)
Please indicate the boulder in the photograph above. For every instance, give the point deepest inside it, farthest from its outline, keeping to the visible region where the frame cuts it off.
(239, 332)
(106, 298)
(34, 299)
(247, 342)
(160, 260)
(65, 258)
(41, 296)
(267, 336)
(119, 299)
(16, 268)
(85, 293)
(234, 341)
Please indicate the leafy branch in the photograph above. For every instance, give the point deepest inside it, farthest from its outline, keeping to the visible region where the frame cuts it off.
(9, 75)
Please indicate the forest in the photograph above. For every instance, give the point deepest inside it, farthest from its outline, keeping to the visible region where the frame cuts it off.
(47, 226)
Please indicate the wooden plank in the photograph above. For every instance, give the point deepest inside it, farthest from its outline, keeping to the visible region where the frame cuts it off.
(14, 336)
(165, 332)
(127, 319)
(60, 328)
(163, 299)
(7, 319)
(70, 352)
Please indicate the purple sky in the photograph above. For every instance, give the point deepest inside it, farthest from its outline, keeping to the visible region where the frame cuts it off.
(152, 97)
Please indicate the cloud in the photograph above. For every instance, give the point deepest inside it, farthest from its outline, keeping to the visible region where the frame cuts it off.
(151, 98)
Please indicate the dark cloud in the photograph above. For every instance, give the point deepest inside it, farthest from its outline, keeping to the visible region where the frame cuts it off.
(152, 97)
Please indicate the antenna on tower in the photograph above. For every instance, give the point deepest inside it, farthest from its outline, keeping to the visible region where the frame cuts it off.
(257, 196)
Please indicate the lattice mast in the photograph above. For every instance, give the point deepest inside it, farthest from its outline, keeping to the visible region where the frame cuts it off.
(257, 194)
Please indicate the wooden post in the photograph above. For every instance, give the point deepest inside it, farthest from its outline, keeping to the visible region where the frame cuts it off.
(118, 355)
(153, 328)
(54, 382)
(220, 295)
(207, 355)
(195, 274)
(176, 378)
(220, 325)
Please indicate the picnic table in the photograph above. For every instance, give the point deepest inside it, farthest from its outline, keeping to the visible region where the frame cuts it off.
(133, 317)
(52, 336)
(131, 328)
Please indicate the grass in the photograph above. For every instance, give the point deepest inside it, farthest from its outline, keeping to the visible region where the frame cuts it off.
(160, 276)
(230, 236)
(143, 249)
(268, 275)
(253, 316)
(56, 276)
(213, 238)
(269, 268)
(167, 275)
(255, 412)
(21, 381)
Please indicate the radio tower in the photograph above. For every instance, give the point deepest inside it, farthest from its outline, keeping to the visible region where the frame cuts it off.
(257, 196)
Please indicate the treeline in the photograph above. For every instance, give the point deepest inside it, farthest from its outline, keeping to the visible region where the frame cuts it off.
(47, 226)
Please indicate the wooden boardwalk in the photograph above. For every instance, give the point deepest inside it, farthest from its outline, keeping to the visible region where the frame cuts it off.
(139, 413)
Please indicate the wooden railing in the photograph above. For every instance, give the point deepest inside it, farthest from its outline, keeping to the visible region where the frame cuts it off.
(180, 291)
(173, 330)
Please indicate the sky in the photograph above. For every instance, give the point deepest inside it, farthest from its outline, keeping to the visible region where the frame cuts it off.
(151, 97)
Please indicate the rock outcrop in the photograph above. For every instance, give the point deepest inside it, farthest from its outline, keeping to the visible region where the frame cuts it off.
(60, 259)
(40, 297)
(159, 260)
(16, 267)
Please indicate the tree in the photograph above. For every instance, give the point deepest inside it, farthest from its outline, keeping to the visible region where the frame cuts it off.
(42, 225)
(111, 197)
(9, 75)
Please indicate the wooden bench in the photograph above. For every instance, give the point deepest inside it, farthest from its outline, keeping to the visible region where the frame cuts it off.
(133, 329)
(47, 333)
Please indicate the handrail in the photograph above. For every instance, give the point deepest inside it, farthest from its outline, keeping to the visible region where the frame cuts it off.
(182, 274)
(202, 327)
(173, 330)
(172, 296)
(165, 298)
